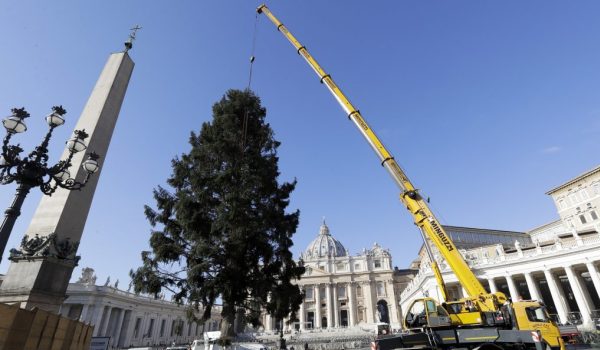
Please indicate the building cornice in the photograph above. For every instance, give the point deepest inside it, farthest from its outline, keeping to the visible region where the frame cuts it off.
(572, 181)
(557, 222)
(481, 230)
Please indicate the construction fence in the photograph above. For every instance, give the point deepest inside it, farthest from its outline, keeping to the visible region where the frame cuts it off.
(39, 329)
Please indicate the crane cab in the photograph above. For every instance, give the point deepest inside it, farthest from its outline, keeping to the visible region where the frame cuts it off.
(531, 314)
(426, 312)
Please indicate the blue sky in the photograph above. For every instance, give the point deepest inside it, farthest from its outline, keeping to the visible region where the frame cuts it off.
(486, 105)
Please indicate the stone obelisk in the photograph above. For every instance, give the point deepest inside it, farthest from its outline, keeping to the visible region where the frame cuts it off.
(41, 268)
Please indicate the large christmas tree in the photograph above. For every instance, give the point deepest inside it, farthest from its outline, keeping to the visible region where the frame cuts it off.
(221, 233)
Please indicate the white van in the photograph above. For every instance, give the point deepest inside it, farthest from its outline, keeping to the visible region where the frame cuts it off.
(249, 346)
(208, 343)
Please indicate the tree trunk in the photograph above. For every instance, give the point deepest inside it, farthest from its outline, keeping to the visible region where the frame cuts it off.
(227, 331)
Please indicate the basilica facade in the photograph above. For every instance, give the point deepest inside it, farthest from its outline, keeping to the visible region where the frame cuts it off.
(344, 290)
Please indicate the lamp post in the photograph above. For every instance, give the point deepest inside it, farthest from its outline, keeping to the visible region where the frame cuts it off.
(33, 170)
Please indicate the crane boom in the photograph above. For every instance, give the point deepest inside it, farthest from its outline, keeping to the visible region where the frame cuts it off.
(409, 195)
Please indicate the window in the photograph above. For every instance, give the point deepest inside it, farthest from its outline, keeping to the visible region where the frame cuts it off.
(572, 198)
(597, 188)
(582, 218)
(309, 293)
(342, 292)
(416, 316)
(341, 267)
(584, 194)
(356, 267)
(594, 215)
(359, 291)
(377, 263)
(162, 328)
(537, 314)
(322, 293)
(380, 289)
(569, 222)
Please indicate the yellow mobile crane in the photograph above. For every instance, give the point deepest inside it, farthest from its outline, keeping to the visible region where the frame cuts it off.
(482, 320)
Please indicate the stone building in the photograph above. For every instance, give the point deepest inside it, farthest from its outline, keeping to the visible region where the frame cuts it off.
(131, 319)
(344, 290)
(577, 201)
(556, 262)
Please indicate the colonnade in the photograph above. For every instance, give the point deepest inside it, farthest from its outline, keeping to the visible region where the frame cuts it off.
(567, 297)
(127, 327)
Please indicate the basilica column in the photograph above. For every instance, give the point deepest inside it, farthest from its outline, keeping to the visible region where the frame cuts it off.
(106, 322)
(351, 304)
(512, 288)
(268, 323)
(492, 283)
(336, 303)
(368, 295)
(302, 315)
(593, 271)
(556, 296)
(317, 306)
(120, 326)
(285, 324)
(97, 320)
(84, 312)
(532, 286)
(127, 336)
(584, 306)
(329, 305)
(393, 304)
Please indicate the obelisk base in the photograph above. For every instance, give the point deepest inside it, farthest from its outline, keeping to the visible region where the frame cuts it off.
(39, 282)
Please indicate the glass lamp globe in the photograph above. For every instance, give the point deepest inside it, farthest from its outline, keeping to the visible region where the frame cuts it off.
(90, 165)
(76, 144)
(63, 175)
(54, 119)
(14, 125)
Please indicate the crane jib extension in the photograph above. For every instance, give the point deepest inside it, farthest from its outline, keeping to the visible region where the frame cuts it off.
(410, 197)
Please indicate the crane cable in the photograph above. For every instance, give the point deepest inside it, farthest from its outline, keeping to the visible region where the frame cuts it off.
(252, 57)
(254, 35)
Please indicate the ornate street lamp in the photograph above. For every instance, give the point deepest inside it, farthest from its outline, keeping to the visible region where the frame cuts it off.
(33, 170)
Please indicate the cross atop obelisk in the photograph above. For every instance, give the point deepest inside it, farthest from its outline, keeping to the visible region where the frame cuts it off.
(129, 42)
